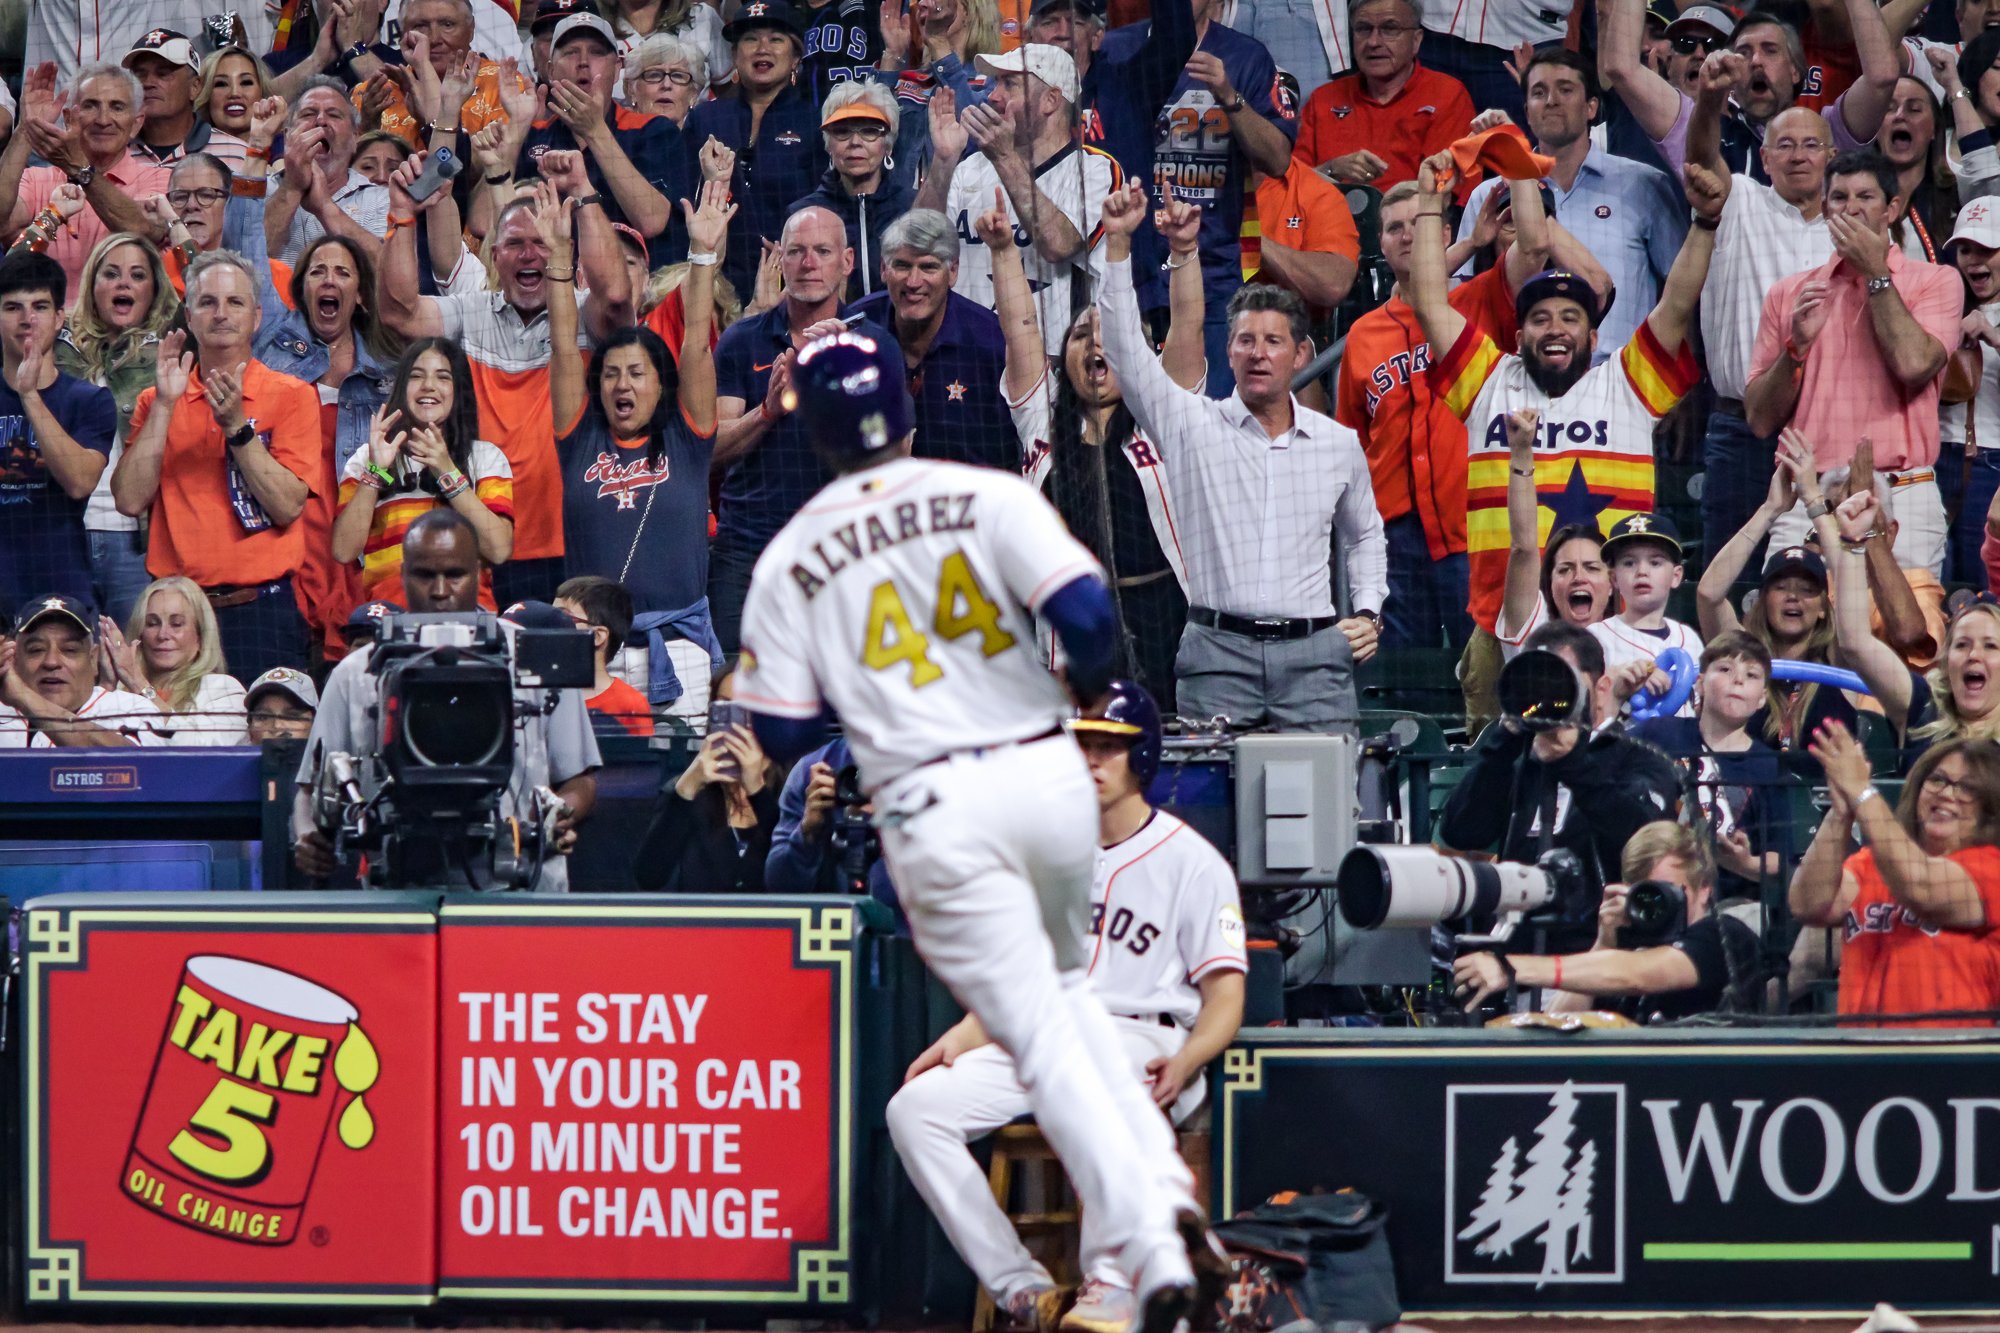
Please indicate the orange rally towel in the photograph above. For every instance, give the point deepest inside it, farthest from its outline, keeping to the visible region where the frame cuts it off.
(1504, 151)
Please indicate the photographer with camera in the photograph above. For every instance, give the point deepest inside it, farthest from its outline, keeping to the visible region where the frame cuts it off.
(711, 829)
(1658, 944)
(1557, 771)
(823, 842)
(552, 742)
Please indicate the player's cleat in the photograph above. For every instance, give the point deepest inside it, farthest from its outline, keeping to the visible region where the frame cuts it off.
(1039, 1309)
(1165, 1307)
(1101, 1308)
(1213, 1270)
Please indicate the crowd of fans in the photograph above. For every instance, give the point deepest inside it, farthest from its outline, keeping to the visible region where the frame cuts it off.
(286, 279)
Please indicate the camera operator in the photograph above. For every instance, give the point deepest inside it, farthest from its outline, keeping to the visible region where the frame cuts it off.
(812, 848)
(711, 829)
(1586, 788)
(441, 569)
(1686, 972)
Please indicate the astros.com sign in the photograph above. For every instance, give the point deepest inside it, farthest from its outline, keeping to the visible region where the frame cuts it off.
(1716, 1174)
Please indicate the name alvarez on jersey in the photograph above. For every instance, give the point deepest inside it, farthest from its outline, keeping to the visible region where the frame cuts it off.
(942, 513)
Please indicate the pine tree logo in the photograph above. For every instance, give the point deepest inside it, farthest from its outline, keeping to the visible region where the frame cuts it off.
(1550, 1205)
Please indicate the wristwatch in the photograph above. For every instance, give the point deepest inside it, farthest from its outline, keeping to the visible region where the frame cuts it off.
(241, 436)
(1236, 105)
(1372, 617)
(82, 176)
(1881, 284)
(1817, 509)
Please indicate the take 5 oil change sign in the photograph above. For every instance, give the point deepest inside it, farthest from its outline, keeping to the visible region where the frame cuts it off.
(232, 1104)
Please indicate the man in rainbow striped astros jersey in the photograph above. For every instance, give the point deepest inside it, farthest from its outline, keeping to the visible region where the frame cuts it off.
(1594, 451)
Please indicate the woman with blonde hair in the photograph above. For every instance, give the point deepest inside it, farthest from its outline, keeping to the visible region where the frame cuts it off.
(233, 80)
(111, 338)
(171, 653)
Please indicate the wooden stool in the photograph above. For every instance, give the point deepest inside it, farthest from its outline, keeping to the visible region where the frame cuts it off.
(1052, 1234)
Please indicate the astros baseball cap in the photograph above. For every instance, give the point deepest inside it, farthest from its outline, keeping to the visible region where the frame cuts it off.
(59, 606)
(1637, 529)
(1661, 12)
(285, 680)
(852, 395)
(1698, 17)
(552, 12)
(1799, 560)
(536, 615)
(1552, 283)
(1051, 64)
(764, 14)
(1978, 222)
(170, 46)
(589, 23)
(855, 111)
(365, 620)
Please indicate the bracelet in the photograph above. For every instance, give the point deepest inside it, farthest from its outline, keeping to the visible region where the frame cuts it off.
(586, 200)
(372, 483)
(1868, 791)
(409, 221)
(435, 128)
(702, 259)
(261, 154)
(1186, 259)
(567, 276)
(1423, 213)
(1792, 351)
(1527, 472)
(451, 481)
(453, 492)
(380, 473)
(1706, 224)
(500, 178)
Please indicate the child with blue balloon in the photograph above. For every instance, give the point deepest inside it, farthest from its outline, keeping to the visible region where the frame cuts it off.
(1644, 552)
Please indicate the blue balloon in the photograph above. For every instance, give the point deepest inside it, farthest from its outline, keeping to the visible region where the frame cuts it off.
(1681, 671)
(1819, 673)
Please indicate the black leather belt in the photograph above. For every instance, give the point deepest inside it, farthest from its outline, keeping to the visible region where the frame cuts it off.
(1262, 627)
(1163, 1020)
(1733, 406)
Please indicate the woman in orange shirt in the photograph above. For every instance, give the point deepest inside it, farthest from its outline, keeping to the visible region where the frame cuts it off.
(1918, 905)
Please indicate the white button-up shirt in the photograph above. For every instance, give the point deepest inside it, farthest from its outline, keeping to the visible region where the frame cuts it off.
(1258, 514)
(1760, 240)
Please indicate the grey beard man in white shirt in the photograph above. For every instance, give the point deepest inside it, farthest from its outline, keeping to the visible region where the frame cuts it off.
(1268, 487)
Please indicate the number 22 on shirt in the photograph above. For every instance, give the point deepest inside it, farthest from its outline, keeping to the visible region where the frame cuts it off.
(962, 607)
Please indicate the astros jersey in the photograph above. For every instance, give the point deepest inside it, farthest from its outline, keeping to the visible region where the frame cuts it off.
(901, 595)
(1594, 454)
(1076, 180)
(1163, 914)
(1622, 644)
(1894, 962)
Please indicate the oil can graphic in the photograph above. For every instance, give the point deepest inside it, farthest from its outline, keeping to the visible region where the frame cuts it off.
(254, 1066)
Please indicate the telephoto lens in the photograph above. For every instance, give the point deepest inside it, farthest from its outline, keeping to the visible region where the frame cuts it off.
(1655, 914)
(1542, 691)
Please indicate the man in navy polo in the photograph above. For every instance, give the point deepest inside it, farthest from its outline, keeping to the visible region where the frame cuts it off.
(634, 159)
(952, 346)
(768, 467)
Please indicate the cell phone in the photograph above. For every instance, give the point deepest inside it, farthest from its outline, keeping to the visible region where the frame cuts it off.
(440, 167)
(723, 714)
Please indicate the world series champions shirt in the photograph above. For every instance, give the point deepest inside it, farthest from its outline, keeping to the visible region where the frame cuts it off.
(1593, 450)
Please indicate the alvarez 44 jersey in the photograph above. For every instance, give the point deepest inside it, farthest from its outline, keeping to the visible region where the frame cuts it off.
(903, 595)
(1164, 913)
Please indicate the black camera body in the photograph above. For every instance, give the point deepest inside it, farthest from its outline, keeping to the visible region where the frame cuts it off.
(1656, 913)
(856, 844)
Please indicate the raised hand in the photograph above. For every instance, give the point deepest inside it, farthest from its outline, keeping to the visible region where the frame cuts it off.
(400, 182)
(427, 92)
(1843, 759)
(576, 110)
(708, 225)
(994, 226)
(948, 137)
(1723, 72)
(718, 160)
(555, 224)
(267, 121)
(517, 96)
(1180, 223)
(1491, 119)
(770, 285)
(895, 27)
(1784, 491)
(1436, 174)
(27, 375)
(173, 367)
(1944, 68)
(1808, 313)
(564, 169)
(1706, 191)
(224, 389)
(778, 393)
(1857, 516)
(128, 669)
(992, 132)
(378, 94)
(459, 82)
(1523, 429)
(1486, 225)
(303, 150)
(67, 200)
(489, 150)
(159, 214)
(1866, 249)
(384, 440)
(426, 445)
(1125, 209)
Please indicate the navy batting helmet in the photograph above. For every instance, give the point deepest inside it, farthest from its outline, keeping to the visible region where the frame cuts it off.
(1130, 714)
(849, 388)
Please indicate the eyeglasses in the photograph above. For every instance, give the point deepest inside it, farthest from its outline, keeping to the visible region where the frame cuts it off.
(867, 133)
(1388, 32)
(1963, 788)
(660, 74)
(1789, 146)
(1687, 46)
(206, 198)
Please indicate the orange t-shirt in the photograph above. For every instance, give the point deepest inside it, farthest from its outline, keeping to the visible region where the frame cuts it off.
(480, 110)
(669, 320)
(1415, 443)
(624, 705)
(1432, 110)
(1893, 962)
(1301, 210)
(196, 528)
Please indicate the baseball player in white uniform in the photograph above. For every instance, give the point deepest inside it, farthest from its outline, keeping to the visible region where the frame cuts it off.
(903, 596)
(1166, 958)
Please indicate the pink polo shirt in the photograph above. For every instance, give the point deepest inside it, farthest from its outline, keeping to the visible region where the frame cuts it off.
(136, 177)
(1848, 391)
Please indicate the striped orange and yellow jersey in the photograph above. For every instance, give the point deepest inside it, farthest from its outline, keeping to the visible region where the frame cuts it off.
(1594, 452)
